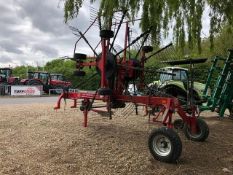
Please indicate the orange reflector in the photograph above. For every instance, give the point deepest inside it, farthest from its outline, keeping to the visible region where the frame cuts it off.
(164, 101)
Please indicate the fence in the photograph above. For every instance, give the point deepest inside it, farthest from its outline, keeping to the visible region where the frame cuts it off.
(59, 91)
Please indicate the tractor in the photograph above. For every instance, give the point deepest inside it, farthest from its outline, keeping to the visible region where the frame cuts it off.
(6, 77)
(47, 80)
(117, 70)
(177, 84)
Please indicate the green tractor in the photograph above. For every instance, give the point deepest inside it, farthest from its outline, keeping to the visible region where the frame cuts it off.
(174, 81)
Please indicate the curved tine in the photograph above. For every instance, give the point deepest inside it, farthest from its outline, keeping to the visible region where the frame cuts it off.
(97, 45)
(83, 34)
(134, 41)
(85, 39)
(119, 26)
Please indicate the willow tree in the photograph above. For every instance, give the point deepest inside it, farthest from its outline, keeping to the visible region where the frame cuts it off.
(184, 17)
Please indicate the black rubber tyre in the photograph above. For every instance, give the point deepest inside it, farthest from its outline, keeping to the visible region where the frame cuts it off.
(105, 91)
(147, 49)
(178, 124)
(80, 56)
(165, 145)
(202, 133)
(79, 73)
(107, 34)
(16, 82)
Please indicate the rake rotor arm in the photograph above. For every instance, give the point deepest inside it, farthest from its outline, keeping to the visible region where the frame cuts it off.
(142, 45)
(146, 69)
(160, 50)
(85, 39)
(118, 28)
(134, 41)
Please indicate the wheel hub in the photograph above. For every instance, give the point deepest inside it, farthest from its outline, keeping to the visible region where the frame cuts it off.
(162, 145)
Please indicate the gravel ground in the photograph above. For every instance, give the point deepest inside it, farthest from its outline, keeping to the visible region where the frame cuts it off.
(35, 139)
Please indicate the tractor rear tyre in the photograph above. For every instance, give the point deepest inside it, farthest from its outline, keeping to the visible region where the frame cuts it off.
(80, 56)
(79, 73)
(147, 49)
(104, 91)
(107, 34)
(34, 82)
(202, 131)
(165, 145)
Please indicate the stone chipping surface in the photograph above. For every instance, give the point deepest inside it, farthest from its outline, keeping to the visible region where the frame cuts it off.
(35, 139)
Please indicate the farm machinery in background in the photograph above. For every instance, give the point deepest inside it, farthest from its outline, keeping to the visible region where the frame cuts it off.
(221, 97)
(47, 80)
(177, 84)
(117, 70)
(6, 77)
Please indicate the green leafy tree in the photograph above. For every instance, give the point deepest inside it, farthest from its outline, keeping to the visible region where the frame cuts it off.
(184, 15)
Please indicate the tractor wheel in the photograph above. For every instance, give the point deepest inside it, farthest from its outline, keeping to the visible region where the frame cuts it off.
(34, 82)
(106, 34)
(147, 49)
(80, 56)
(16, 82)
(105, 91)
(79, 73)
(178, 124)
(165, 145)
(175, 91)
(202, 131)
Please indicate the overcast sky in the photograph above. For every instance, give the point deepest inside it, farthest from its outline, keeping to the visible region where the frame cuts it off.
(33, 31)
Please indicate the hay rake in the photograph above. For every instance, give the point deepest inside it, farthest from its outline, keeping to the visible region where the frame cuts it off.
(116, 71)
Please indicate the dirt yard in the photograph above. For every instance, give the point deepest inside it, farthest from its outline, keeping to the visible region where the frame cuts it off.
(35, 139)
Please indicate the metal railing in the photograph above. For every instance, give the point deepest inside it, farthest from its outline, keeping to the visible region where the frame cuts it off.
(59, 91)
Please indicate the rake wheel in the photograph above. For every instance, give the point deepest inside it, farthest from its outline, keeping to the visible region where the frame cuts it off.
(80, 56)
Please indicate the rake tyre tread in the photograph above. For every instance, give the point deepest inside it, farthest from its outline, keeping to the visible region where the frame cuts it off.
(107, 34)
(203, 131)
(176, 144)
(80, 56)
(147, 49)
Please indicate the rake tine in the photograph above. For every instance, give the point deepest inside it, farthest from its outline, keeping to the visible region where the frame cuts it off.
(83, 35)
(93, 9)
(85, 39)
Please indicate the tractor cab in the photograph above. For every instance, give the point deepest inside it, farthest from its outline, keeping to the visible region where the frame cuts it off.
(5, 73)
(41, 76)
(173, 73)
(58, 77)
(174, 81)
(7, 78)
